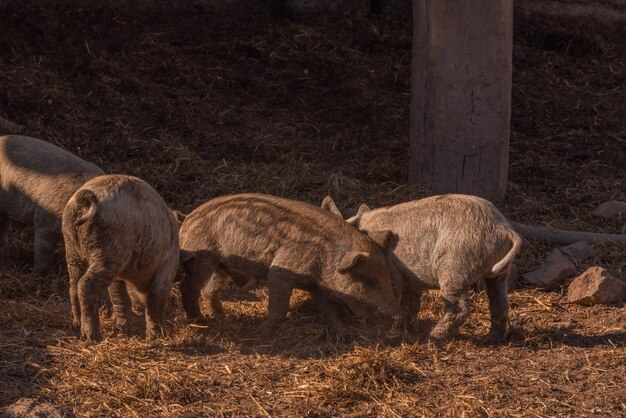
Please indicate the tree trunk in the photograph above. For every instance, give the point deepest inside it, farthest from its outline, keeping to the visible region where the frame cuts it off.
(461, 96)
(563, 237)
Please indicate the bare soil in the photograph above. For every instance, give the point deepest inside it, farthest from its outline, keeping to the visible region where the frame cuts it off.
(201, 100)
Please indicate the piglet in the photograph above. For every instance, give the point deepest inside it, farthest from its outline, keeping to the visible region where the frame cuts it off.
(448, 243)
(119, 231)
(36, 181)
(289, 244)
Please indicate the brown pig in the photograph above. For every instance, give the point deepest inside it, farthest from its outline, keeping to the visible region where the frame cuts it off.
(119, 231)
(290, 244)
(448, 243)
(36, 181)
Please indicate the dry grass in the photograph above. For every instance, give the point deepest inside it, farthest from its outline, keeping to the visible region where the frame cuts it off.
(200, 102)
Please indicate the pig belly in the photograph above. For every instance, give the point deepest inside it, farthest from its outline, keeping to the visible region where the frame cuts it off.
(418, 283)
(416, 270)
(242, 270)
(141, 278)
(242, 261)
(17, 207)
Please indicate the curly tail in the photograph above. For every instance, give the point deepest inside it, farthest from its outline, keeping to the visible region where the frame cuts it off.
(501, 265)
(86, 204)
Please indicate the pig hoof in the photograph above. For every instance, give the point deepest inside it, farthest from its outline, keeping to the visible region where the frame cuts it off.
(494, 338)
(438, 337)
(39, 271)
(335, 326)
(122, 326)
(337, 330)
(217, 314)
(156, 333)
(215, 309)
(266, 331)
(90, 337)
(412, 326)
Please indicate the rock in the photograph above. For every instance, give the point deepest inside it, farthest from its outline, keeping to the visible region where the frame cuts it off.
(580, 250)
(596, 286)
(31, 408)
(554, 271)
(610, 210)
(512, 280)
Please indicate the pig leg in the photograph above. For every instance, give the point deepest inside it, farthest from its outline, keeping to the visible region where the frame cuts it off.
(288, 269)
(106, 301)
(329, 310)
(155, 313)
(197, 273)
(93, 283)
(158, 295)
(120, 305)
(75, 271)
(411, 303)
(456, 311)
(279, 293)
(212, 293)
(45, 243)
(498, 308)
(137, 302)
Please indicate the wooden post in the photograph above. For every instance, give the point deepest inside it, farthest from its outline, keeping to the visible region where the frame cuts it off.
(461, 96)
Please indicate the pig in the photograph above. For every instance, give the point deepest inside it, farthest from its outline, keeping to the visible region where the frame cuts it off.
(118, 231)
(449, 243)
(36, 181)
(288, 244)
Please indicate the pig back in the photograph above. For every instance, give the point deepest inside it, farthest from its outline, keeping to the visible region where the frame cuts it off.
(435, 235)
(255, 226)
(35, 174)
(131, 222)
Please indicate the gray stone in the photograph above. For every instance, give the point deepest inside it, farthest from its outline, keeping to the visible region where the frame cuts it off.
(610, 210)
(554, 271)
(580, 250)
(596, 286)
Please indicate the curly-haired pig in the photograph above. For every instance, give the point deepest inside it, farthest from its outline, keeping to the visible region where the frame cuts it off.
(36, 181)
(449, 243)
(291, 244)
(119, 231)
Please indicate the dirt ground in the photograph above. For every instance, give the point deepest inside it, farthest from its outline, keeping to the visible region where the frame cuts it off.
(202, 101)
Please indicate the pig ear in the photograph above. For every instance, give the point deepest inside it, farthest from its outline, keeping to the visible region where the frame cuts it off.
(356, 219)
(329, 204)
(180, 217)
(363, 209)
(380, 237)
(350, 260)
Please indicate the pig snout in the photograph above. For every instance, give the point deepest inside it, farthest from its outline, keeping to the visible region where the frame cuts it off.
(383, 320)
(386, 317)
(387, 306)
(380, 314)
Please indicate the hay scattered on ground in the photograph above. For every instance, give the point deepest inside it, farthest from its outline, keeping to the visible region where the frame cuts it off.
(201, 103)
